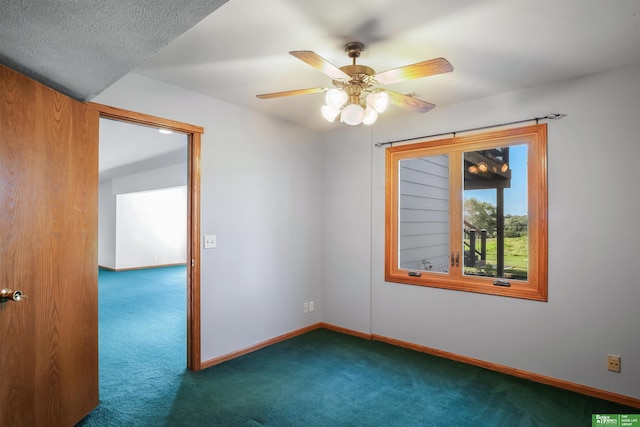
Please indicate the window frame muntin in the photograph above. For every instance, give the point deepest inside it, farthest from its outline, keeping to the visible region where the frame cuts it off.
(535, 137)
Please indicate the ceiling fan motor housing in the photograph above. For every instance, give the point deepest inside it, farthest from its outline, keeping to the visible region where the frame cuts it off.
(354, 49)
(361, 79)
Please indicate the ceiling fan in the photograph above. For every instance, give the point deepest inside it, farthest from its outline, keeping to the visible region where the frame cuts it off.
(357, 94)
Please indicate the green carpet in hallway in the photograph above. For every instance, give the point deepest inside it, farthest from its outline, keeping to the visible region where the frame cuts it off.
(321, 378)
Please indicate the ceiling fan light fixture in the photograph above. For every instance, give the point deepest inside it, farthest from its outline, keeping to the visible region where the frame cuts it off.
(370, 116)
(379, 101)
(329, 113)
(336, 98)
(357, 86)
(352, 114)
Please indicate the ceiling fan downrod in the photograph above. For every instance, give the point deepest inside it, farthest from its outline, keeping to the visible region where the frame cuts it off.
(361, 75)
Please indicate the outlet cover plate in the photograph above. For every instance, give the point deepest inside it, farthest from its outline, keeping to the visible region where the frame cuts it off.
(614, 363)
(210, 241)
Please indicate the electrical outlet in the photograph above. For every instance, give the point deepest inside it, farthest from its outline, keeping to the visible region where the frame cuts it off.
(311, 306)
(614, 363)
(209, 241)
(306, 307)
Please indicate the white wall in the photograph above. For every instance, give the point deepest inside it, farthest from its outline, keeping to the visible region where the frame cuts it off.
(594, 206)
(106, 226)
(132, 231)
(165, 177)
(346, 228)
(151, 228)
(261, 196)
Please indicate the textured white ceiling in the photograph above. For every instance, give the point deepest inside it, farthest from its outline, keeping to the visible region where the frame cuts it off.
(82, 47)
(241, 49)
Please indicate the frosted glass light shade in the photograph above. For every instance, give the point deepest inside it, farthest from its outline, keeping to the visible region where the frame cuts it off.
(370, 116)
(335, 98)
(352, 114)
(329, 113)
(379, 101)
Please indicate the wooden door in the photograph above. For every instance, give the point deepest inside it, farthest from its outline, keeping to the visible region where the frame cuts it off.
(48, 250)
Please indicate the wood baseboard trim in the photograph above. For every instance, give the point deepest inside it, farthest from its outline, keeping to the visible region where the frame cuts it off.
(141, 268)
(263, 344)
(345, 331)
(578, 388)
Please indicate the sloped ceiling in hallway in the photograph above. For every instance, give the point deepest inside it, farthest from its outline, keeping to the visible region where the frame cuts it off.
(82, 47)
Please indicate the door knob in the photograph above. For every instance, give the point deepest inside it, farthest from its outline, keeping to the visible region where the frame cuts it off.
(9, 295)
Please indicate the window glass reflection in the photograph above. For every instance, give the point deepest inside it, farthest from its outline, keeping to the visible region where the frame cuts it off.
(495, 213)
(424, 214)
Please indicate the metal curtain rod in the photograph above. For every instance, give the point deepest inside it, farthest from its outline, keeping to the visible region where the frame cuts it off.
(552, 116)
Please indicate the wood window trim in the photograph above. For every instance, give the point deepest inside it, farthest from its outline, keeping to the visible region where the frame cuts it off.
(536, 285)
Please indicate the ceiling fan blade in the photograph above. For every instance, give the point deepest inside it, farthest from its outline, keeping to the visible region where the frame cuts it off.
(291, 92)
(319, 63)
(408, 101)
(415, 71)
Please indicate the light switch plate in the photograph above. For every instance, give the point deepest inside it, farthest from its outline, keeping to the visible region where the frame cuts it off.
(209, 241)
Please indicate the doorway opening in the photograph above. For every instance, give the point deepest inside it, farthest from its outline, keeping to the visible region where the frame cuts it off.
(192, 258)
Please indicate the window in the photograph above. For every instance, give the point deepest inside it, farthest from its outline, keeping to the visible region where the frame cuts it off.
(470, 213)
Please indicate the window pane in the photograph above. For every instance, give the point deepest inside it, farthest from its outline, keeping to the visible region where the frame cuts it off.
(423, 235)
(496, 213)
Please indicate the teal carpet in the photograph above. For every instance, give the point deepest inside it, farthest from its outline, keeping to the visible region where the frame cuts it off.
(321, 378)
